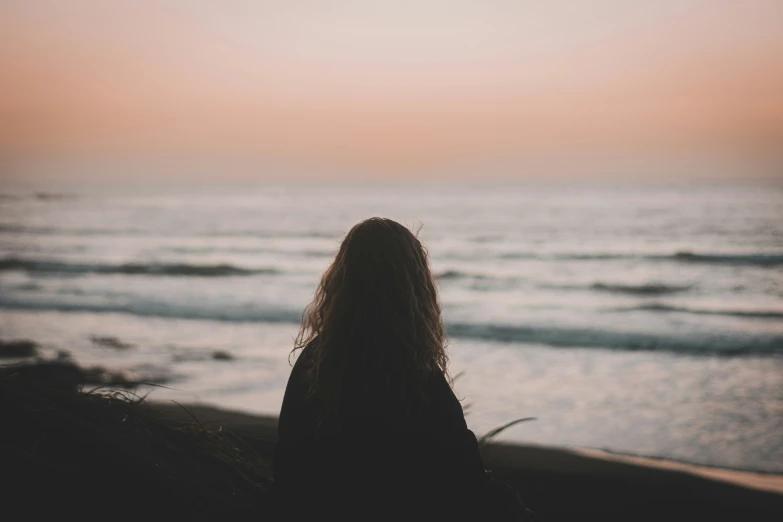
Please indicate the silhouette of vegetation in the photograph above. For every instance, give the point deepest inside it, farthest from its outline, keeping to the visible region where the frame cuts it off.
(108, 455)
(495, 431)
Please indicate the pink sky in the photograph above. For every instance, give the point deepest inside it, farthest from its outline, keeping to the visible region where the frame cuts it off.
(389, 85)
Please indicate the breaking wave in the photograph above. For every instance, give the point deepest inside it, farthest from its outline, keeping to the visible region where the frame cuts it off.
(645, 289)
(154, 269)
(661, 307)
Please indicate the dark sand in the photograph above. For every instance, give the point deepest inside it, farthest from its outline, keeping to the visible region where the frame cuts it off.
(561, 484)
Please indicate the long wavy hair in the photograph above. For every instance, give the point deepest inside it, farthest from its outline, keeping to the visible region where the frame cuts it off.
(375, 323)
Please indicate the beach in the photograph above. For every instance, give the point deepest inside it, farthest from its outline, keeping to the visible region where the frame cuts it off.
(571, 484)
(89, 452)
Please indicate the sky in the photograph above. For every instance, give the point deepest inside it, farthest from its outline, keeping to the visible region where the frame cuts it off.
(389, 86)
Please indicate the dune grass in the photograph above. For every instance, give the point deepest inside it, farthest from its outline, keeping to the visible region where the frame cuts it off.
(105, 453)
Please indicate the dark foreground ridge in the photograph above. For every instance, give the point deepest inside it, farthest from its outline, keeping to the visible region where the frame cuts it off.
(75, 455)
(67, 454)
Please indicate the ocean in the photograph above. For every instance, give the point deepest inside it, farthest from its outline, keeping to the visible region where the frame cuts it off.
(635, 317)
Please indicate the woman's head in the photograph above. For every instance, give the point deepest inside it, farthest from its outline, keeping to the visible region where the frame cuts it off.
(375, 315)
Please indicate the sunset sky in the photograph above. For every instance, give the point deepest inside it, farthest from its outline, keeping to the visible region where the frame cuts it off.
(389, 85)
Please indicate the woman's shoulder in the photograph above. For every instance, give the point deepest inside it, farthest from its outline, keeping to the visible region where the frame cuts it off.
(443, 403)
(438, 384)
(297, 385)
(304, 358)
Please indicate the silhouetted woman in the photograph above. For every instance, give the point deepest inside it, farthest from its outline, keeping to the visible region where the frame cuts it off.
(369, 427)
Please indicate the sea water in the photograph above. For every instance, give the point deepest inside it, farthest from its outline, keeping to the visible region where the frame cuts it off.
(641, 317)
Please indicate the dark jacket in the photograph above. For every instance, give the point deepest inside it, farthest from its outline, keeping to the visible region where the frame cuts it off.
(380, 464)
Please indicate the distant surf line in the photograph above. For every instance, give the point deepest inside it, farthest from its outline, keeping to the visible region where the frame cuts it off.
(555, 336)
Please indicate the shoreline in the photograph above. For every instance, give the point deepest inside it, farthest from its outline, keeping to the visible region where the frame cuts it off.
(529, 456)
(93, 451)
(763, 481)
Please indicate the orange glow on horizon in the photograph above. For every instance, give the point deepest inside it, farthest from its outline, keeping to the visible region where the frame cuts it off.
(176, 81)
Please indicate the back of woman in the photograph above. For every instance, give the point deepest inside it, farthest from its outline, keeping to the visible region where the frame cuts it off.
(369, 427)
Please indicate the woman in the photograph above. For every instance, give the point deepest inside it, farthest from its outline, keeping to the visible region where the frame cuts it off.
(369, 427)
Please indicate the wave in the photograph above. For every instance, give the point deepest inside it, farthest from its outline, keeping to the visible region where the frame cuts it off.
(731, 259)
(660, 307)
(53, 196)
(21, 229)
(249, 250)
(237, 314)
(154, 269)
(590, 257)
(645, 289)
(451, 274)
(567, 257)
(520, 255)
(457, 274)
(39, 196)
(555, 336)
(593, 338)
(16, 228)
(752, 259)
